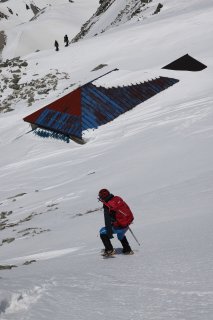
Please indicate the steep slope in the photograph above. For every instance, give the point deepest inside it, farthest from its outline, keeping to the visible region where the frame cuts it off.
(26, 31)
(158, 157)
(112, 13)
(30, 27)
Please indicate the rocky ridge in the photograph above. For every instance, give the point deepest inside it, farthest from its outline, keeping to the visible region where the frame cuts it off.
(131, 9)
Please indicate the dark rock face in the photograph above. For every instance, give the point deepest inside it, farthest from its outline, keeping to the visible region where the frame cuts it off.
(34, 8)
(2, 40)
(3, 16)
(158, 9)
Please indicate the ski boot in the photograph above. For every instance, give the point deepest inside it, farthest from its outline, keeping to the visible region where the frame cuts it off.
(108, 253)
(126, 247)
(130, 252)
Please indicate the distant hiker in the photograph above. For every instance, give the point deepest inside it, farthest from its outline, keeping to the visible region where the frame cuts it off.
(66, 40)
(117, 217)
(56, 45)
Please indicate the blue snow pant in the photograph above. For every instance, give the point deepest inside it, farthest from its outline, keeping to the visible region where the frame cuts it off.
(120, 232)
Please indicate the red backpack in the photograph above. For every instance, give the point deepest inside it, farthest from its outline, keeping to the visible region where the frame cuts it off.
(123, 214)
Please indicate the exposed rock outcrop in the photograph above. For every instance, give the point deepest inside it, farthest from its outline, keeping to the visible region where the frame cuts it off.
(11, 73)
(128, 11)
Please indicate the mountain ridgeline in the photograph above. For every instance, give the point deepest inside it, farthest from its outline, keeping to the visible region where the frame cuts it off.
(111, 14)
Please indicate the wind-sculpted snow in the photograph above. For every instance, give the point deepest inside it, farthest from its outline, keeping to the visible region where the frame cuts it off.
(35, 25)
(45, 255)
(112, 13)
(157, 158)
(20, 302)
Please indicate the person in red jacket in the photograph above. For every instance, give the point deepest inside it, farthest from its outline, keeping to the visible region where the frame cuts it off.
(117, 216)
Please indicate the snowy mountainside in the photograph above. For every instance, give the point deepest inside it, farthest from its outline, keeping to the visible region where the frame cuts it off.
(23, 33)
(28, 30)
(113, 13)
(158, 157)
(17, 11)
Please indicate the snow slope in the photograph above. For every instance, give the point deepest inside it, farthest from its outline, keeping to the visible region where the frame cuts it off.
(27, 33)
(111, 14)
(158, 157)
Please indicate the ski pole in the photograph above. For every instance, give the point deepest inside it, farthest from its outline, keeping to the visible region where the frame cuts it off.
(134, 236)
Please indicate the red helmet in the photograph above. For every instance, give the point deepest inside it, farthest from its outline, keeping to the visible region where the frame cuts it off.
(103, 193)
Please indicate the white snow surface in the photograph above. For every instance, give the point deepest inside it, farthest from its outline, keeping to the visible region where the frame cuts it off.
(158, 157)
(27, 33)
